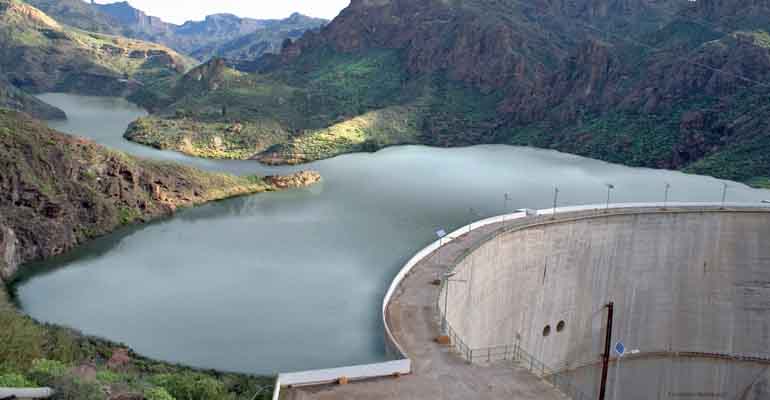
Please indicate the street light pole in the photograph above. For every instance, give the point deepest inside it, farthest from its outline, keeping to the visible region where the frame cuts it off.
(506, 199)
(724, 195)
(555, 200)
(665, 200)
(610, 187)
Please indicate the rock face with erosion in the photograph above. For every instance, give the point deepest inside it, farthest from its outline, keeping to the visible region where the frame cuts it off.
(298, 180)
(56, 191)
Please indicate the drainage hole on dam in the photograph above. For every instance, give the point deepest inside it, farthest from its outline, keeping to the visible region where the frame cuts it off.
(560, 326)
(547, 330)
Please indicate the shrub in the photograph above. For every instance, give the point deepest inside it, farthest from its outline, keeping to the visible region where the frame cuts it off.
(157, 393)
(20, 340)
(107, 377)
(68, 387)
(60, 345)
(45, 372)
(191, 386)
(15, 381)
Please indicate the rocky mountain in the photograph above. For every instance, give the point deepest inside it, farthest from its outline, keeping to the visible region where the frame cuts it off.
(222, 35)
(78, 14)
(13, 98)
(671, 84)
(267, 38)
(38, 54)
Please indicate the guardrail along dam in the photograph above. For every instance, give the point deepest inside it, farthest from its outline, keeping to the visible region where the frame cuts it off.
(691, 293)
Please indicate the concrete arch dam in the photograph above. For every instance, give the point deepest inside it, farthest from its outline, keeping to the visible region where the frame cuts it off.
(691, 288)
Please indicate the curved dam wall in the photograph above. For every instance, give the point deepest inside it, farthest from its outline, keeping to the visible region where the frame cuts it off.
(683, 280)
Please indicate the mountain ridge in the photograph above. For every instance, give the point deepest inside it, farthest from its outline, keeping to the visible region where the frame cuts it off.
(663, 84)
(37, 54)
(215, 35)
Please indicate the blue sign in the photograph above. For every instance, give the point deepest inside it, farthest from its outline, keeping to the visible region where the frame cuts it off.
(440, 233)
(620, 349)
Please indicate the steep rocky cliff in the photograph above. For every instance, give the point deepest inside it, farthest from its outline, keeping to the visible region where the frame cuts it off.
(15, 99)
(57, 191)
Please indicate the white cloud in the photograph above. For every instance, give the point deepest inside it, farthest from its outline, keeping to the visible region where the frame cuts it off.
(179, 11)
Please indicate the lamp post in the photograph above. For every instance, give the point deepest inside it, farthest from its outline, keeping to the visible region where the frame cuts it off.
(506, 199)
(724, 194)
(441, 234)
(610, 188)
(473, 214)
(665, 199)
(447, 278)
(555, 200)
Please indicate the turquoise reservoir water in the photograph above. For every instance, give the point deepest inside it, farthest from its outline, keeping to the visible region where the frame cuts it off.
(294, 280)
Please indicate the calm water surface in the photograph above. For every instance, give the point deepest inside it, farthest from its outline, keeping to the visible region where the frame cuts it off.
(294, 280)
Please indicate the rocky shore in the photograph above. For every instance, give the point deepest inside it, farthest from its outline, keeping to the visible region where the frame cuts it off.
(58, 191)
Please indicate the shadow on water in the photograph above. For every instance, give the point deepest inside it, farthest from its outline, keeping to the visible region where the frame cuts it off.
(96, 248)
(91, 250)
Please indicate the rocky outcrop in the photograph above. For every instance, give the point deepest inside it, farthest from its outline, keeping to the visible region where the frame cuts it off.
(57, 191)
(15, 99)
(207, 76)
(9, 256)
(295, 181)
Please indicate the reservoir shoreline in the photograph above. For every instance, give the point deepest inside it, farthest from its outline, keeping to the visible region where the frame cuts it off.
(298, 273)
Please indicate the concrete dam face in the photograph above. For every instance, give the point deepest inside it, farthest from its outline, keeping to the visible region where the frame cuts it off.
(691, 293)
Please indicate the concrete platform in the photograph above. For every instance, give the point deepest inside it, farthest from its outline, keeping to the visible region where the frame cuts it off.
(438, 373)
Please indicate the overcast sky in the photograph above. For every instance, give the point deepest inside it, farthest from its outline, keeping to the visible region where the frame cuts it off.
(179, 11)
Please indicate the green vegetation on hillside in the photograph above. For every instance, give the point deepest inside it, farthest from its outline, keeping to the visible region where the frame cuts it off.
(78, 14)
(326, 104)
(655, 85)
(86, 368)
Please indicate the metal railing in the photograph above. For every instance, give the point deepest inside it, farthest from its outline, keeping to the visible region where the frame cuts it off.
(458, 344)
(515, 353)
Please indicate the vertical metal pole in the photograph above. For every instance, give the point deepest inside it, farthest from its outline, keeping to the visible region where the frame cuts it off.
(446, 303)
(440, 245)
(665, 199)
(609, 193)
(606, 355)
(506, 198)
(724, 195)
(555, 200)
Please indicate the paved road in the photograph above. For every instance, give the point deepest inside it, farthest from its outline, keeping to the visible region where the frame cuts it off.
(438, 373)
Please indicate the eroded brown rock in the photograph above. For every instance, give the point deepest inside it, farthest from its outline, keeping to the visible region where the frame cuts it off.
(57, 191)
(298, 180)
